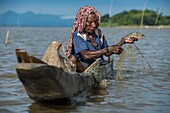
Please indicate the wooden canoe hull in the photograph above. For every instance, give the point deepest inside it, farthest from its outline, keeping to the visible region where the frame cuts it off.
(44, 82)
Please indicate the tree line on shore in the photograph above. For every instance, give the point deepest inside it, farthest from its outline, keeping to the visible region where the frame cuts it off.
(133, 18)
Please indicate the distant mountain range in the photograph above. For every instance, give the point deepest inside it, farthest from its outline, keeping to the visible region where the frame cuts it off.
(11, 18)
(125, 18)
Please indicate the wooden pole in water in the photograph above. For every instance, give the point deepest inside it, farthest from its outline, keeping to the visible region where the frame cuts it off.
(141, 22)
(157, 17)
(7, 35)
(110, 10)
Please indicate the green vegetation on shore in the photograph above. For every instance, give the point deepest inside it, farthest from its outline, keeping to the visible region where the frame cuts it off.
(133, 18)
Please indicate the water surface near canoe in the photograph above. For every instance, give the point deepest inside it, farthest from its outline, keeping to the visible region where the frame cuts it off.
(141, 93)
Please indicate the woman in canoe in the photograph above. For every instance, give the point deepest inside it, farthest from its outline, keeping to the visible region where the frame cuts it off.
(87, 43)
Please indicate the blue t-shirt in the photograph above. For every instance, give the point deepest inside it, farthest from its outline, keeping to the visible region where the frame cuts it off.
(80, 44)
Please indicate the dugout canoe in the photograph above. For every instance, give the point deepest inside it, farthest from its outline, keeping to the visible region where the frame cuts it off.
(44, 82)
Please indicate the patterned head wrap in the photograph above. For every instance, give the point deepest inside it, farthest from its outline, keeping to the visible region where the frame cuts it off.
(79, 23)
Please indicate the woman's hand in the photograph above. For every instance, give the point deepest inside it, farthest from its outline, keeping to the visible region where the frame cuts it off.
(113, 50)
(121, 50)
(130, 40)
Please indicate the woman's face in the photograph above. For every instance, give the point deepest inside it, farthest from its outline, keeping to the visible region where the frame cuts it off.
(91, 23)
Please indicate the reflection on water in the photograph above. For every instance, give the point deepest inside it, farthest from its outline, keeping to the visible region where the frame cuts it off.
(141, 92)
(51, 108)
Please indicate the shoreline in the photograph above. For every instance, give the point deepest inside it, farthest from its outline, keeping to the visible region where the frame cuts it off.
(146, 26)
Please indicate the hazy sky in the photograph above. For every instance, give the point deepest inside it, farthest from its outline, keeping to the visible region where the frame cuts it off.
(69, 7)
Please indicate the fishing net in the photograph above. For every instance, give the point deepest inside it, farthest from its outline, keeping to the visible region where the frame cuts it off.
(131, 61)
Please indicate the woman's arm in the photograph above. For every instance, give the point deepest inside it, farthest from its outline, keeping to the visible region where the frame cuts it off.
(91, 54)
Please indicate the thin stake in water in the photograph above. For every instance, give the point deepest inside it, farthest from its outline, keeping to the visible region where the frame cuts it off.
(6, 39)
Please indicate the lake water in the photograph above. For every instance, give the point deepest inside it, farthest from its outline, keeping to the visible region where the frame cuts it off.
(147, 92)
